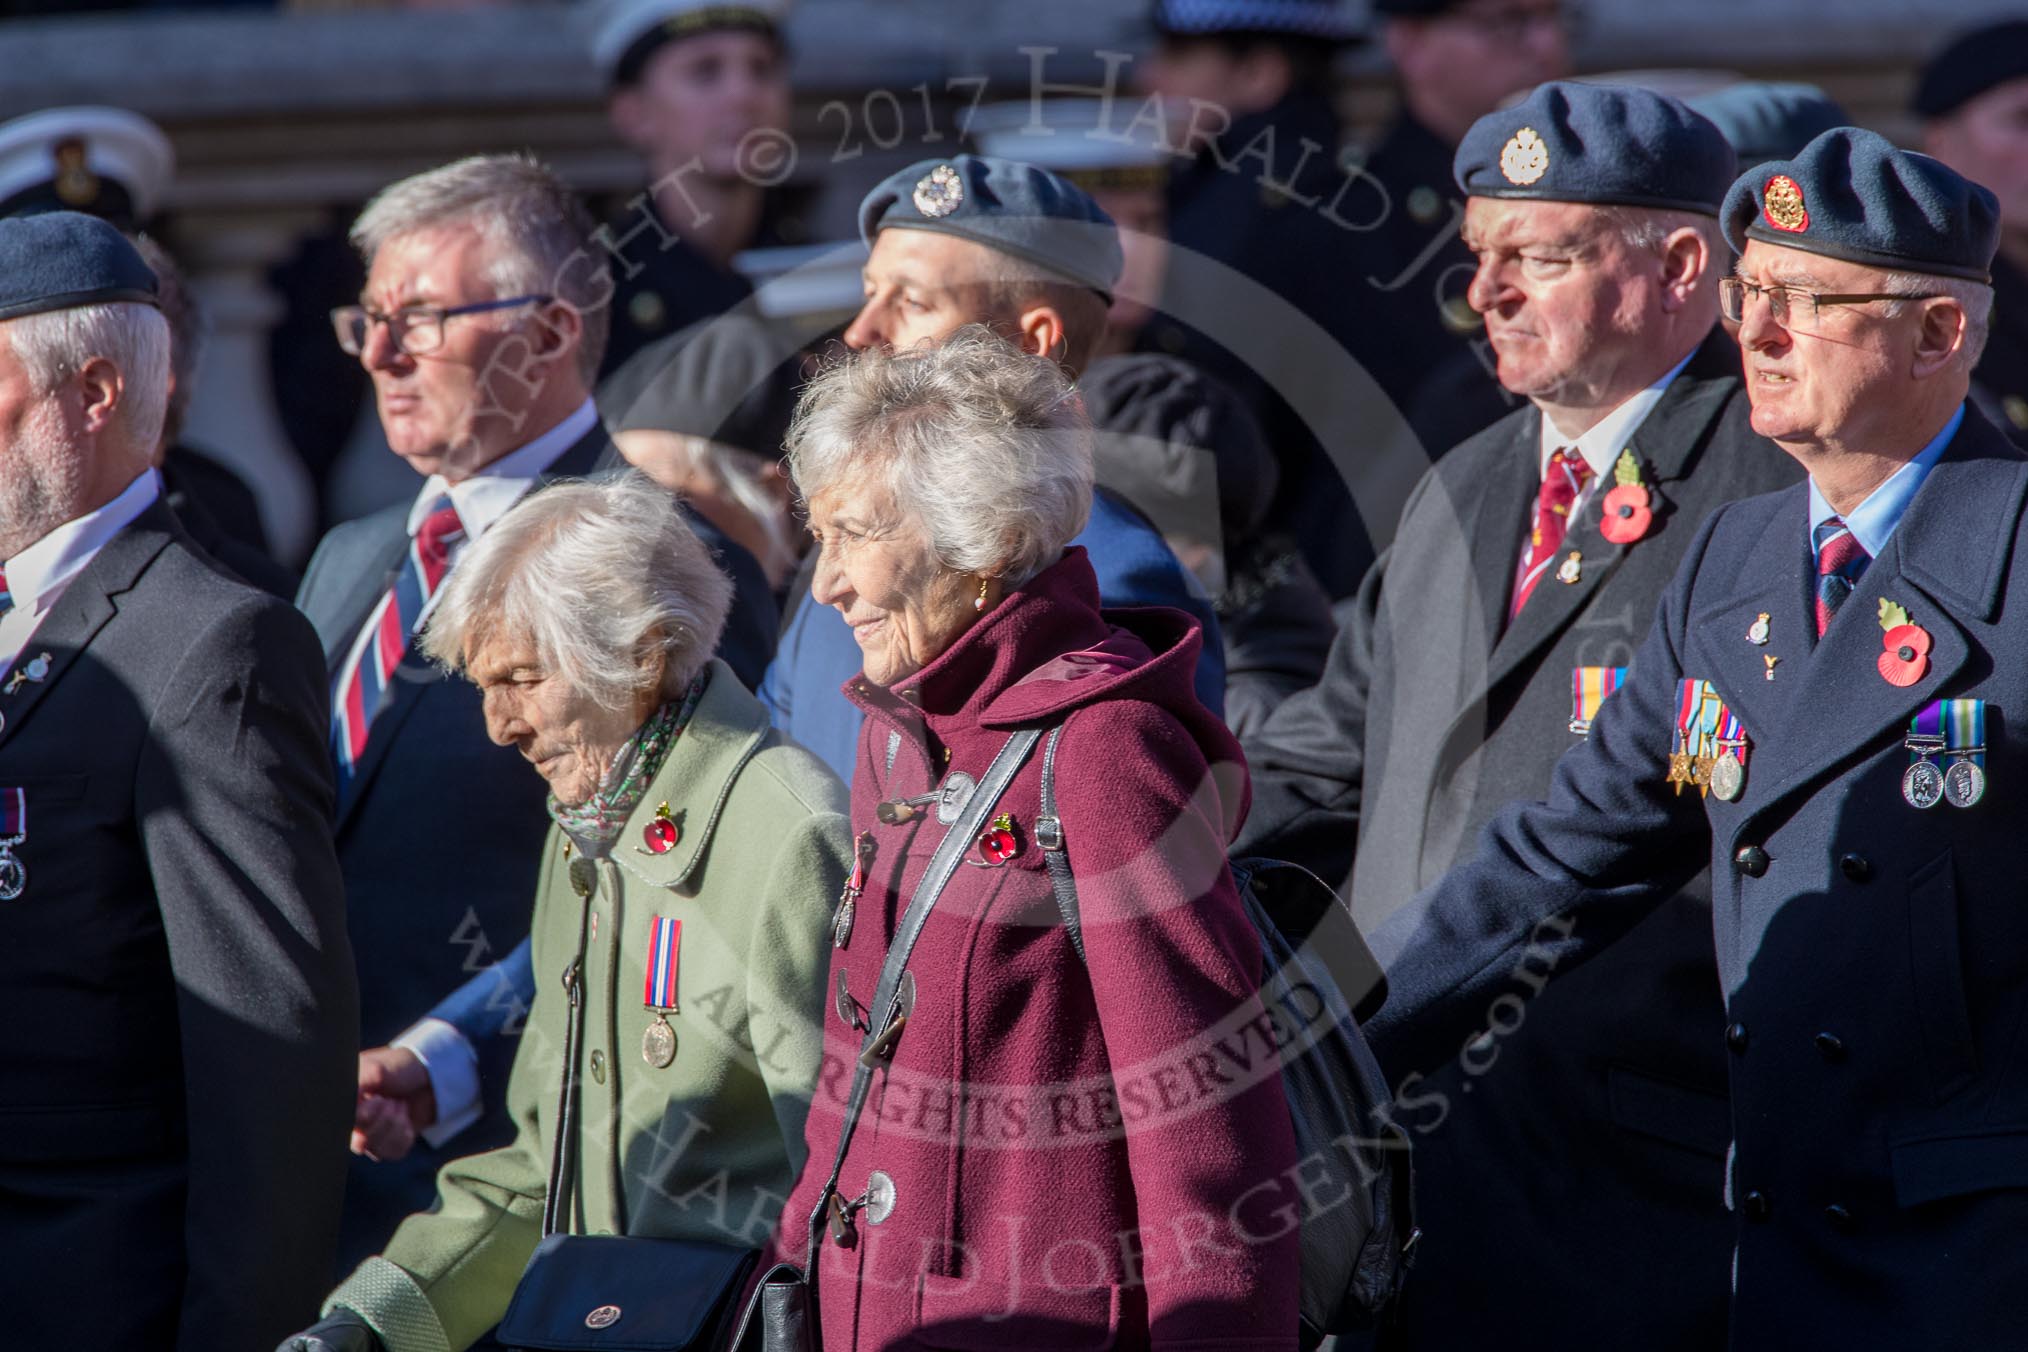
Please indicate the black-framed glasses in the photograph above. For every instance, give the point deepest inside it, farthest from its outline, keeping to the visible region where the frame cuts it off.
(1785, 302)
(416, 330)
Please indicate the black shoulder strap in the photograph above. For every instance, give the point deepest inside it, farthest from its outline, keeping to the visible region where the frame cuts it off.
(1049, 835)
(943, 863)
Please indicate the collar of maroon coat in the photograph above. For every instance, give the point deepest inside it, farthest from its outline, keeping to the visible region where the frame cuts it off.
(1046, 650)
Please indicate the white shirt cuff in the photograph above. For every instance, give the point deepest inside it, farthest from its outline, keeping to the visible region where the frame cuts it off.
(454, 1076)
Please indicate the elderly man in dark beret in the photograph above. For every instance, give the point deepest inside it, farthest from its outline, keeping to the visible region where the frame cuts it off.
(1523, 571)
(178, 1011)
(1973, 102)
(1821, 714)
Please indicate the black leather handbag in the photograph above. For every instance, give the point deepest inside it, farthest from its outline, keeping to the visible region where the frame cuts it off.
(781, 1315)
(614, 1293)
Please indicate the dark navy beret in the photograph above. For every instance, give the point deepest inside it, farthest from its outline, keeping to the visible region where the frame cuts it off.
(1607, 145)
(59, 260)
(1970, 66)
(1015, 208)
(1766, 121)
(1324, 20)
(1855, 195)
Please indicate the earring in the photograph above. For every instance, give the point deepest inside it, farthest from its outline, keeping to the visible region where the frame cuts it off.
(979, 601)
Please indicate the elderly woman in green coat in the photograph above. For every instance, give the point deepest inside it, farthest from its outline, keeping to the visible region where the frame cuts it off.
(693, 862)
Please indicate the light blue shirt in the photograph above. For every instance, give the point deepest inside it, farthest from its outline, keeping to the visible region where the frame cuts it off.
(1873, 520)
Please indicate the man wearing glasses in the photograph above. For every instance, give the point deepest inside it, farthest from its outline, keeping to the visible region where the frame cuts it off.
(481, 324)
(1513, 595)
(1856, 642)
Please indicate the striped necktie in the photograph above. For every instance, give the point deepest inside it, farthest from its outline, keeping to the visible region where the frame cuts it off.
(1840, 561)
(362, 688)
(1566, 478)
(6, 596)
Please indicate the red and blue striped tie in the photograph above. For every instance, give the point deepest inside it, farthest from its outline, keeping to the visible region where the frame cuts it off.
(1840, 561)
(362, 688)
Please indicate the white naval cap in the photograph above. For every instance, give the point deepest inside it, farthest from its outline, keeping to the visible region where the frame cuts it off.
(105, 161)
(626, 32)
(1095, 143)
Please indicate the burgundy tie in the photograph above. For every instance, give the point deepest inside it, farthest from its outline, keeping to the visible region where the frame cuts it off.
(1840, 561)
(1567, 476)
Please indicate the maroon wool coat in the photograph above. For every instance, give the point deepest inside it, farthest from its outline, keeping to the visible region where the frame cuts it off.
(1080, 1158)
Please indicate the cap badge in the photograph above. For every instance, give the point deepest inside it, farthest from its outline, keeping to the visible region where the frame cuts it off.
(1524, 159)
(940, 192)
(1782, 204)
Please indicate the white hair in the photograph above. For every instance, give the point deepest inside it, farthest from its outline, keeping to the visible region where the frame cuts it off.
(601, 575)
(532, 221)
(1974, 298)
(984, 445)
(56, 344)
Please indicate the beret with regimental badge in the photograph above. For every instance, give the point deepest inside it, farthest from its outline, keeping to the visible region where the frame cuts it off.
(1602, 145)
(1976, 62)
(59, 260)
(1019, 209)
(1855, 195)
(625, 33)
(105, 161)
(1319, 20)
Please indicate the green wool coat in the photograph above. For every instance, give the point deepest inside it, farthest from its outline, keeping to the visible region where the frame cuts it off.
(707, 1148)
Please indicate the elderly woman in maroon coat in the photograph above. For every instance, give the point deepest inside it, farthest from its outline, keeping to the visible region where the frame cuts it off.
(1060, 1151)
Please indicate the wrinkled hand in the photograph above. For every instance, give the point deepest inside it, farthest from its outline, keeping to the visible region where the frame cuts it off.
(339, 1331)
(396, 1102)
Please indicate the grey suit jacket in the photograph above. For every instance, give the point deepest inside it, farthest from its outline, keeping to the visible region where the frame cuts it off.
(1433, 715)
(178, 1019)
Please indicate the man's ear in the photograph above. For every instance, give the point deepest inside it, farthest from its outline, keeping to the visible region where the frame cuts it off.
(1042, 331)
(101, 388)
(1940, 337)
(1686, 262)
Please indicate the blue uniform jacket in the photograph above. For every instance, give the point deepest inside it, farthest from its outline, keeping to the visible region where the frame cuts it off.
(1874, 956)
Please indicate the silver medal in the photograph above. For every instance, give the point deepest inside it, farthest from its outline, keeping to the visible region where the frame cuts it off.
(1923, 785)
(1728, 777)
(13, 875)
(1964, 784)
(658, 1044)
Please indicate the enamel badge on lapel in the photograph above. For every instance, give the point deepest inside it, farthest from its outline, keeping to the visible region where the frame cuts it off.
(1757, 632)
(37, 670)
(997, 844)
(660, 835)
(1904, 657)
(1629, 508)
(1571, 570)
(1770, 659)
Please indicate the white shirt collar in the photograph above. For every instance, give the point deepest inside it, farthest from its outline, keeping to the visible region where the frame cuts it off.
(486, 496)
(37, 575)
(1601, 446)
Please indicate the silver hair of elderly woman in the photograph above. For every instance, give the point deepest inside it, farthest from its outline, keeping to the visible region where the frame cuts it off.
(987, 447)
(600, 574)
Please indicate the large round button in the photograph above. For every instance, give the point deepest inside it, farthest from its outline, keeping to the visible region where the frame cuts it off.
(1839, 1217)
(1855, 867)
(1754, 1206)
(1735, 1037)
(1831, 1046)
(1751, 860)
(598, 1066)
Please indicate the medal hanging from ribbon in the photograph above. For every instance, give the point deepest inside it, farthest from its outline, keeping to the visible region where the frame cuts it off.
(1679, 749)
(1589, 687)
(1704, 754)
(658, 991)
(1947, 727)
(13, 830)
(1728, 772)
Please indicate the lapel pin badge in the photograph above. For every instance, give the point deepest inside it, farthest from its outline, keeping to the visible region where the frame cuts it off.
(1904, 655)
(1770, 659)
(1629, 507)
(36, 670)
(1757, 632)
(1571, 570)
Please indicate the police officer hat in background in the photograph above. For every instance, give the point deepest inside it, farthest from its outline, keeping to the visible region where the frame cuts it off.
(1605, 145)
(1019, 209)
(1316, 20)
(1768, 121)
(1855, 195)
(1097, 144)
(59, 260)
(105, 161)
(625, 33)
(1969, 66)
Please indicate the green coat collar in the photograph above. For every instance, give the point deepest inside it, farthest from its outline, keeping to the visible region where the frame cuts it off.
(725, 730)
